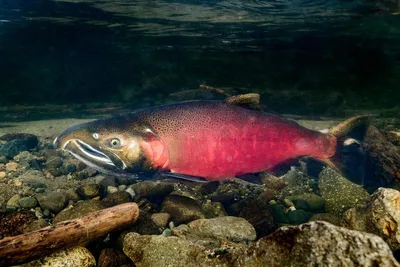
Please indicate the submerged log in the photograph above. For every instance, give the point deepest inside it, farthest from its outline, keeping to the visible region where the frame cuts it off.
(29, 246)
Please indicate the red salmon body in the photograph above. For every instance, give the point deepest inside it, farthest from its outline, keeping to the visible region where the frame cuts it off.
(217, 140)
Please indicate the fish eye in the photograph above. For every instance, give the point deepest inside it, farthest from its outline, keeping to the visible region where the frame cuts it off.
(115, 142)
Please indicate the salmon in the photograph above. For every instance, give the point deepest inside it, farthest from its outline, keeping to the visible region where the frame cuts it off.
(211, 140)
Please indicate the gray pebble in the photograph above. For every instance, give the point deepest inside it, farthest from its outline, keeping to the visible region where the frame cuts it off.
(46, 213)
(167, 232)
(14, 201)
(88, 191)
(54, 201)
(39, 213)
(122, 187)
(131, 192)
(28, 202)
(3, 159)
(161, 219)
(72, 194)
(40, 190)
(182, 209)
(111, 189)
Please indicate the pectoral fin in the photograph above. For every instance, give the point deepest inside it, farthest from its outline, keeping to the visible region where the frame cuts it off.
(185, 177)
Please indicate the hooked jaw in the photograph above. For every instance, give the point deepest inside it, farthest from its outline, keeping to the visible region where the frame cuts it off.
(71, 140)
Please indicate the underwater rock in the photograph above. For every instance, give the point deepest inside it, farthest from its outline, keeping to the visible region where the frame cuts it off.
(112, 189)
(158, 250)
(15, 223)
(30, 141)
(298, 216)
(88, 191)
(28, 202)
(297, 182)
(319, 244)
(310, 244)
(392, 136)
(33, 178)
(24, 158)
(80, 210)
(229, 228)
(110, 257)
(53, 158)
(258, 214)
(122, 187)
(380, 216)
(104, 183)
(3, 159)
(234, 190)
(182, 209)
(339, 193)
(13, 148)
(278, 212)
(35, 164)
(267, 195)
(183, 231)
(145, 225)
(53, 201)
(36, 225)
(213, 209)
(32, 183)
(327, 217)
(13, 202)
(71, 257)
(313, 203)
(161, 219)
(116, 198)
(190, 191)
(131, 192)
(12, 166)
(153, 191)
(72, 195)
(272, 182)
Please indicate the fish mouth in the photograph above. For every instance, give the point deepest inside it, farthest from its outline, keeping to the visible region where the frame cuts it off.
(93, 157)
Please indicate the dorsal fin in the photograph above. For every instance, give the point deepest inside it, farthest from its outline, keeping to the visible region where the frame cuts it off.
(249, 101)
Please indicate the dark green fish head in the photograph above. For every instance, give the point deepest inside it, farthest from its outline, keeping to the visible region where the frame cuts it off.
(118, 145)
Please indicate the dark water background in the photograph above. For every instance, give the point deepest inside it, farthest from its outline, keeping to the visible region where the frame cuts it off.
(303, 57)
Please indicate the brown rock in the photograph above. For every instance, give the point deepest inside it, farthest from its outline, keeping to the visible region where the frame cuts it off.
(182, 209)
(161, 219)
(310, 244)
(12, 167)
(110, 257)
(80, 210)
(380, 216)
(116, 198)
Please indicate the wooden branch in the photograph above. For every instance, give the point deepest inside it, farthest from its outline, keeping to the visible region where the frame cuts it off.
(30, 246)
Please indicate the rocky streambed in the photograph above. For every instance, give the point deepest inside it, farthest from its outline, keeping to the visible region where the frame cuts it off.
(305, 215)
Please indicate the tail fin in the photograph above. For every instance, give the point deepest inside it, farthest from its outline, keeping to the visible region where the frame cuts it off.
(350, 157)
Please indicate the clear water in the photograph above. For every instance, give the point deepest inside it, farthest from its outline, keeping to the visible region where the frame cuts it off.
(330, 55)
